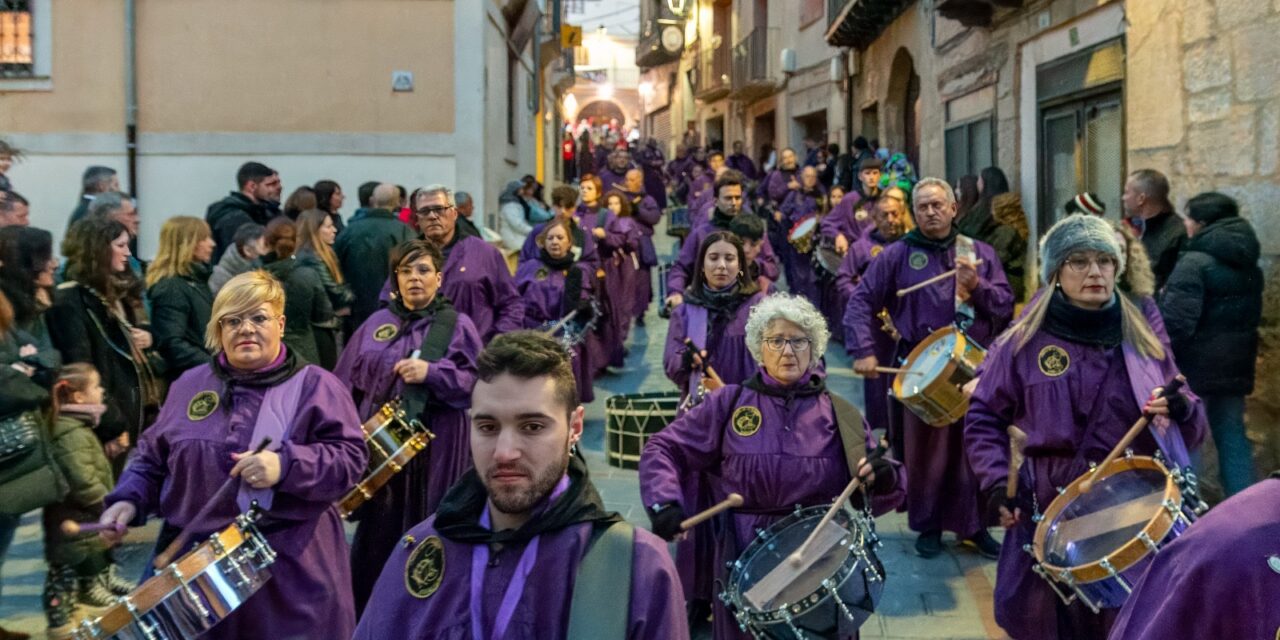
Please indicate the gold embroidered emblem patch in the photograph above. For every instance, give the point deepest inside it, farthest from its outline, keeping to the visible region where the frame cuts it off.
(384, 333)
(541, 274)
(918, 260)
(746, 421)
(203, 404)
(424, 571)
(860, 215)
(876, 250)
(1053, 361)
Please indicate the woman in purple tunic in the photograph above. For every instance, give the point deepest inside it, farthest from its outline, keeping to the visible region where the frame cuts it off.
(1078, 368)
(774, 439)
(215, 415)
(407, 350)
(808, 201)
(554, 285)
(617, 240)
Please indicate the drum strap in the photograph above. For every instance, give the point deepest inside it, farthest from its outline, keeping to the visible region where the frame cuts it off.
(964, 309)
(852, 435)
(434, 347)
(595, 610)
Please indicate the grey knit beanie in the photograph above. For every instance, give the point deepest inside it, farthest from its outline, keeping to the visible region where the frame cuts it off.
(1078, 232)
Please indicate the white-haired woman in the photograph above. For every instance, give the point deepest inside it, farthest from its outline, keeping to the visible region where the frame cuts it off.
(1080, 366)
(215, 416)
(775, 439)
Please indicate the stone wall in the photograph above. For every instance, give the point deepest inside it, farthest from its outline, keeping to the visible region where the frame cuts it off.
(1203, 101)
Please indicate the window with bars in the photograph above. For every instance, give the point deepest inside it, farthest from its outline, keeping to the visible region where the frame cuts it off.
(17, 59)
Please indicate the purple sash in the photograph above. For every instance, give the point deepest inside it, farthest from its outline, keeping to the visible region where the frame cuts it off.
(695, 325)
(1146, 374)
(275, 420)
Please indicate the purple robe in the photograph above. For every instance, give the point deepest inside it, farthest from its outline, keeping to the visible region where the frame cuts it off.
(801, 278)
(655, 183)
(741, 163)
(647, 214)
(702, 215)
(181, 462)
(542, 611)
(1216, 580)
(775, 185)
(701, 191)
(542, 289)
(610, 179)
(849, 218)
(617, 260)
(584, 244)
(478, 282)
(1070, 419)
(366, 366)
(855, 263)
(797, 438)
(942, 494)
(682, 269)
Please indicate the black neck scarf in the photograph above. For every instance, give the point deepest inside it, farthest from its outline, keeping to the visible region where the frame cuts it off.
(917, 239)
(719, 220)
(723, 302)
(268, 378)
(572, 278)
(408, 315)
(813, 386)
(1094, 327)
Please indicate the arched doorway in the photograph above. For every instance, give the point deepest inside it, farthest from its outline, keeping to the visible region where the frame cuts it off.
(901, 114)
(602, 111)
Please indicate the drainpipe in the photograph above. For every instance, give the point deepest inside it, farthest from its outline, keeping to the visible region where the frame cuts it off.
(131, 91)
(848, 109)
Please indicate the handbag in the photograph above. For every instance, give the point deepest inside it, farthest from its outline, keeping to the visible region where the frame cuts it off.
(19, 435)
(29, 478)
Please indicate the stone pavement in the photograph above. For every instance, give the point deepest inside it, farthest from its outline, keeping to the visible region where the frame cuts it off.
(944, 597)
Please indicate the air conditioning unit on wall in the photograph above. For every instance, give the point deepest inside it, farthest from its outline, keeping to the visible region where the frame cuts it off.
(788, 60)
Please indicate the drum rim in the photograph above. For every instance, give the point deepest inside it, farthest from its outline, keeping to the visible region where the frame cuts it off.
(806, 603)
(1131, 552)
(953, 364)
(809, 219)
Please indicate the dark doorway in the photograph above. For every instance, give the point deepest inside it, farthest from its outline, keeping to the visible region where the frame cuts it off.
(870, 123)
(715, 133)
(902, 108)
(762, 133)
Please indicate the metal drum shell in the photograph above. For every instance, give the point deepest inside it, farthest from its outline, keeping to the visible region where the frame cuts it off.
(940, 402)
(1157, 528)
(802, 233)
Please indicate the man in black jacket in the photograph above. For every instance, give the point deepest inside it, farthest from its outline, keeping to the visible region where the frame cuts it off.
(1212, 305)
(256, 201)
(96, 179)
(1146, 204)
(363, 247)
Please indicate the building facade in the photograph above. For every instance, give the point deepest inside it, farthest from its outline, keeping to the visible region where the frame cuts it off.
(184, 91)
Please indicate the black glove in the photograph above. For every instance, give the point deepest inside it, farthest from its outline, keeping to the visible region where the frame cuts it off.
(992, 500)
(687, 357)
(665, 522)
(1179, 407)
(585, 311)
(886, 480)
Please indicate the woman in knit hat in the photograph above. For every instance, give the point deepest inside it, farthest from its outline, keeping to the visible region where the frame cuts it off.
(1080, 366)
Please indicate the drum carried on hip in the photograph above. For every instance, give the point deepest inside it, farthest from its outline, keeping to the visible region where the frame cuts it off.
(930, 381)
(826, 262)
(629, 421)
(194, 593)
(830, 594)
(393, 442)
(802, 232)
(1094, 545)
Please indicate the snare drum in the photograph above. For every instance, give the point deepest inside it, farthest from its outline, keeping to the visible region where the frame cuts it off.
(1094, 546)
(194, 593)
(392, 441)
(931, 380)
(801, 235)
(826, 262)
(829, 595)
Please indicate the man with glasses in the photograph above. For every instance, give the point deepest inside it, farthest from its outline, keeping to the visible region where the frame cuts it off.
(941, 491)
(476, 277)
(363, 247)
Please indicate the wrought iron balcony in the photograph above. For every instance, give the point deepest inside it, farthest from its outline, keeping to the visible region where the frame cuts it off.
(857, 23)
(756, 72)
(712, 63)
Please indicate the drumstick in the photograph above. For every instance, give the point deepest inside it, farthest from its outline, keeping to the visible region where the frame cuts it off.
(713, 377)
(1137, 428)
(798, 557)
(896, 371)
(1017, 440)
(934, 280)
(563, 321)
(218, 496)
(73, 528)
(732, 502)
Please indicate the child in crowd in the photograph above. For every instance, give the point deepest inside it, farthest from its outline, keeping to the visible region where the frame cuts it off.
(82, 581)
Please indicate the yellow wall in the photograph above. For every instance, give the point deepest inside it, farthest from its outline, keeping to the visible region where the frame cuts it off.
(88, 72)
(294, 65)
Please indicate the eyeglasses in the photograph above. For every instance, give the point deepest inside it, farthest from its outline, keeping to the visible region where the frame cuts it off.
(798, 345)
(1081, 264)
(233, 323)
(421, 270)
(427, 212)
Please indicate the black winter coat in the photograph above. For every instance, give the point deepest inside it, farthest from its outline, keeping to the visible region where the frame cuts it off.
(180, 310)
(1212, 305)
(306, 304)
(363, 249)
(1163, 238)
(229, 214)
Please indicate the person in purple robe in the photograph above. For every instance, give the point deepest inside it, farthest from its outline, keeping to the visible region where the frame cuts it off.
(889, 215)
(1217, 580)
(741, 162)
(517, 547)
(760, 437)
(1077, 369)
(751, 229)
(729, 198)
(647, 214)
(216, 414)
(810, 200)
(678, 168)
(614, 175)
(395, 354)
(476, 277)
(653, 163)
(702, 188)
(623, 238)
(941, 492)
(780, 182)
(850, 219)
(616, 241)
(564, 202)
(555, 285)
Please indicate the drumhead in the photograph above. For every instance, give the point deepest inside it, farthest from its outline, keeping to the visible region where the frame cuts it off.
(772, 551)
(803, 228)
(929, 364)
(1112, 513)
